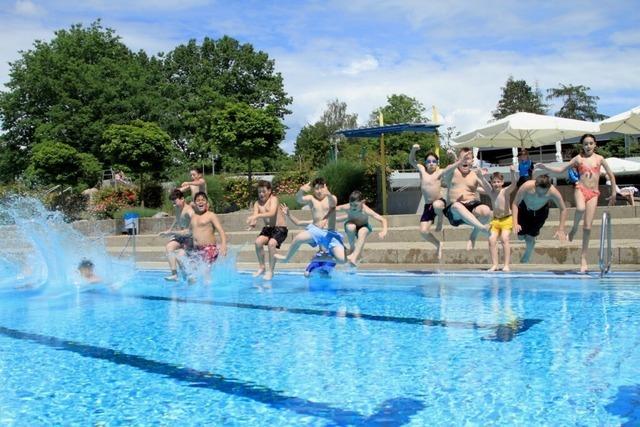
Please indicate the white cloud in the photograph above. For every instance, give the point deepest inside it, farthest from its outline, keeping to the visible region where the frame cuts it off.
(356, 67)
(27, 8)
(626, 38)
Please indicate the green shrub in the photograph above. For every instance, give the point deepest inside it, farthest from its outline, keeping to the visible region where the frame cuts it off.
(289, 200)
(237, 195)
(216, 192)
(342, 178)
(152, 195)
(142, 212)
(110, 200)
(288, 182)
(71, 204)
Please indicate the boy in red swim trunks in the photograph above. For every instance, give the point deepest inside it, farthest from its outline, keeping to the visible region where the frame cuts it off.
(203, 226)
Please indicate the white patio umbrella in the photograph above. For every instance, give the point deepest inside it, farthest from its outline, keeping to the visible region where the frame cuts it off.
(627, 123)
(525, 130)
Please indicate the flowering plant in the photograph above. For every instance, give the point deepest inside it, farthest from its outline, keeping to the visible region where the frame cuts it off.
(110, 200)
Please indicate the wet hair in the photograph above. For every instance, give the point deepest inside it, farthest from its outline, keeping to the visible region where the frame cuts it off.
(497, 175)
(355, 196)
(264, 184)
(85, 263)
(585, 136)
(176, 194)
(543, 181)
(319, 181)
(200, 194)
(432, 154)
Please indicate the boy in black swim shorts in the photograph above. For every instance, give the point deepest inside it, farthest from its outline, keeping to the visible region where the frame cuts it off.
(274, 232)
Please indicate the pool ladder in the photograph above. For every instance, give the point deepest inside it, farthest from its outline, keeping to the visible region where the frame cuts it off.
(605, 253)
(132, 239)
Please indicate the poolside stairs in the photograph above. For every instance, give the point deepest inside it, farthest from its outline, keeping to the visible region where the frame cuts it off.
(404, 248)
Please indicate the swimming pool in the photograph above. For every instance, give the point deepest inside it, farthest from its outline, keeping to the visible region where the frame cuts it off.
(374, 349)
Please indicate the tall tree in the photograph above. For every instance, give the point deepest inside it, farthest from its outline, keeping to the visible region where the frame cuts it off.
(71, 88)
(518, 96)
(201, 79)
(402, 109)
(314, 142)
(576, 102)
(141, 147)
(246, 132)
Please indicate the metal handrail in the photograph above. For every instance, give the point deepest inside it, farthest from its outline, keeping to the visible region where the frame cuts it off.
(605, 232)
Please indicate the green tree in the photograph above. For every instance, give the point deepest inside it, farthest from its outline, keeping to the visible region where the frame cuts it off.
(402, 109)
(201, 79)
(58, 163)
(576, 102)
(71, 88)
(141, 147)
(518, 96)
(246, 132)
(314, 144)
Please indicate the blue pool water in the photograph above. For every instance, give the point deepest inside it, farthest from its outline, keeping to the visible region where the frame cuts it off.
(352, 350)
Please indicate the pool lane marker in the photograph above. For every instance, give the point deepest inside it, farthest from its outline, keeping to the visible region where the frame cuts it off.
(396, 411)
(500, 333)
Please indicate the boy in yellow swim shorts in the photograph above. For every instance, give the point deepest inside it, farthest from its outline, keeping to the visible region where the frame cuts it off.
(502, 222)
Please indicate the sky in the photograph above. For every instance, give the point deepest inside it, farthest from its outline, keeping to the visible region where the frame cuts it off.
(456, 55)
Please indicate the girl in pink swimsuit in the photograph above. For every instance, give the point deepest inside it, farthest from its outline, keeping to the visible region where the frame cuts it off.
(586, 193)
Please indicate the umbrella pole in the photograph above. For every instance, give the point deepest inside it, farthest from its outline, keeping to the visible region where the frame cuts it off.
(383, 172)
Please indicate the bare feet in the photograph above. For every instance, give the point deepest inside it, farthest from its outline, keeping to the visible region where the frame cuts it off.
(268, 275)
(439, 251)
(258, 272)
(471, 243)
(493, 268)
(525, 257)
(281, 258)
(506, 269)
(172, 278)
(584, 267)
(351, 261)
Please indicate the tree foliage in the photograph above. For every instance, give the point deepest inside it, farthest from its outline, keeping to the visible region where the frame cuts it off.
(140, 147)
(314, 142)
(518, 96)
(58, 163)
(576, 102)
(402, 109)
(84, 81)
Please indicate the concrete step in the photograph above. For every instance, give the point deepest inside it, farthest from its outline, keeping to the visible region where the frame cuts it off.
(625, 251)
(622, 228)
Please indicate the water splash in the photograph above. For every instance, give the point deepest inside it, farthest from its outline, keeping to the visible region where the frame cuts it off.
(44, 250)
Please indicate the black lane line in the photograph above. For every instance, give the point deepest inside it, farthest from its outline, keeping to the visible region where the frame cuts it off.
(501, 333)
(395, 411)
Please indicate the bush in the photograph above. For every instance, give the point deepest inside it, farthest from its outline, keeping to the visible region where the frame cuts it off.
(237, 195)
(342, 178)
(72, 205)
(142, 212)
(216, 192)
(289, 182)
(289, 200)
(152, 195)
(110, 200)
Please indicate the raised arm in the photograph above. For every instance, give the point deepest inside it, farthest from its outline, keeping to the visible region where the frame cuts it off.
(412, 158)
(301, 196)
(612, 178)
(557, 170)
(514, 180)
(447, 172)
(378, 217)
(515, 206)
(486, 186)
(292, 218)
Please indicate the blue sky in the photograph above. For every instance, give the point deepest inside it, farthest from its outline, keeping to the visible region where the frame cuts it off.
(455, 54)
